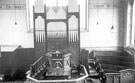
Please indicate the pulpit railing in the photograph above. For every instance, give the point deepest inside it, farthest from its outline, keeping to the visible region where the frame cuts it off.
(40, 63)
(80, 79)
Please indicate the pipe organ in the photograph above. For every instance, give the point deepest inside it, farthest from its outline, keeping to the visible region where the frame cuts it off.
(57, 44)
(57, 28)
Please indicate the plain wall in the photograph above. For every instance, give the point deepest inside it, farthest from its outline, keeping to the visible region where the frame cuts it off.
(11, 34)
(99, 35)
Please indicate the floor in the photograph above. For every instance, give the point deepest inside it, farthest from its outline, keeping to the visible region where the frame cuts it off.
(94, 81)
(89, 81)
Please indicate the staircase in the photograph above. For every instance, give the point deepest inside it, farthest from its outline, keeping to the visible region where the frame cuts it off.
(39, 67)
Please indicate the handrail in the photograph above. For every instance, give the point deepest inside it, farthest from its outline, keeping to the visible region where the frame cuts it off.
(38, 64)
(38, 60)
(64, 80)
(112, 73)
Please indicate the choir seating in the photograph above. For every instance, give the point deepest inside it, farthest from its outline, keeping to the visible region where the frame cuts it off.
(113, 62)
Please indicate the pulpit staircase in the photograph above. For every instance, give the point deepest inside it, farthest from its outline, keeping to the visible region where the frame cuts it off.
(39, 67)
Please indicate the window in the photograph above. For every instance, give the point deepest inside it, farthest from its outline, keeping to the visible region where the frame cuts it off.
(83, 11)
(133, 25)
(130, 36)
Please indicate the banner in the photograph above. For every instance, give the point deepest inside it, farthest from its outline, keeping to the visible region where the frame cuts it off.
(12, 7)
(103, 5)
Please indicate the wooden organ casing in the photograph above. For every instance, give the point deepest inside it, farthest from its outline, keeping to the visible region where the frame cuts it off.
(57, 28)
(57, 44)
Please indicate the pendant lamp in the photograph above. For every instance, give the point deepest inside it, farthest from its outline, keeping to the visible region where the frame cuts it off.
(112, 27)
(15, 13)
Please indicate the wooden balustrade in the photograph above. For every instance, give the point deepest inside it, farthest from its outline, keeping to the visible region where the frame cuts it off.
(41, 62)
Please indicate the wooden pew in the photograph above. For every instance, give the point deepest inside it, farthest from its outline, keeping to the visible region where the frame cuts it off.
(92, 65)
(112, 62)
(116, 60)
(127, 76)
(99, 73)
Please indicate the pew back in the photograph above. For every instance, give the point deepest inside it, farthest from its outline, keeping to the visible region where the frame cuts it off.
(112, 62)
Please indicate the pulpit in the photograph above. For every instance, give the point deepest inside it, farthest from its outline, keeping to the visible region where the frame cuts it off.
(59, 64)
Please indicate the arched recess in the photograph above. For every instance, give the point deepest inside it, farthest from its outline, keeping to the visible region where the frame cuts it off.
(56, 35)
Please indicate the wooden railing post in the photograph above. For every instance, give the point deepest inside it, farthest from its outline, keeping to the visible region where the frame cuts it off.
(32, 69)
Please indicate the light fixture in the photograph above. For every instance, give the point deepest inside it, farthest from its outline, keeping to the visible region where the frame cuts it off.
(15, 13)
(112, 27)
(97, 12)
